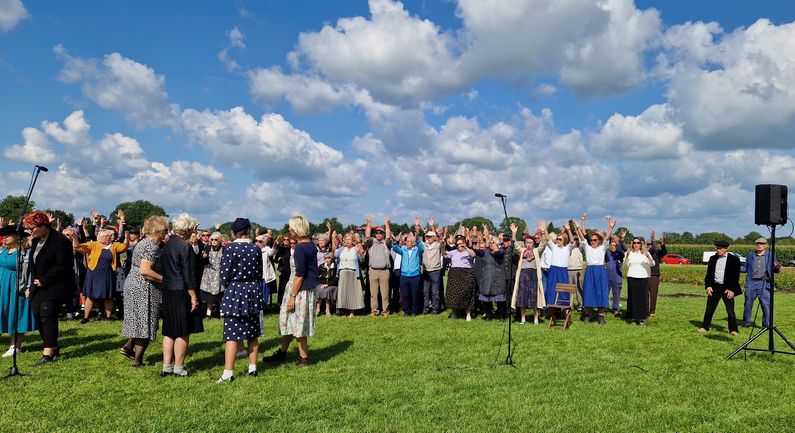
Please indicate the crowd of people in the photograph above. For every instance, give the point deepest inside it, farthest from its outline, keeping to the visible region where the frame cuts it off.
(179, 275)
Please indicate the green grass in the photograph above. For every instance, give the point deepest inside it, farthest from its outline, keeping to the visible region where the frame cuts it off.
(425, 374)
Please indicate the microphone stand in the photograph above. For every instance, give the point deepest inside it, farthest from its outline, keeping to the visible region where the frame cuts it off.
(14, 371)
(509, 358)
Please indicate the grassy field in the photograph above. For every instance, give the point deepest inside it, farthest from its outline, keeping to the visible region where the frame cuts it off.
(425, 374)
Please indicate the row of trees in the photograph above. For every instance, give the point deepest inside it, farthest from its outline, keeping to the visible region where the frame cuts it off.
(137, 211)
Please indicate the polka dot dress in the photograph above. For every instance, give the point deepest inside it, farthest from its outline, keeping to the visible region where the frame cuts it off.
(241, 274)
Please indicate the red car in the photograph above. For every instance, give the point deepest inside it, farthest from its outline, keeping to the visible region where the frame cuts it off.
(675, 259)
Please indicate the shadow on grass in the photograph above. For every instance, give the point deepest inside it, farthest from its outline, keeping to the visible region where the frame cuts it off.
(697, 324)
(95, 347)
(217, 349)
(74, 343)
(717, 337)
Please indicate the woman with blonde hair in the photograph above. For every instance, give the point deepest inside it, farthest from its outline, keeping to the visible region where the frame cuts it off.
(638, 262)
(142, 294)
(101, 262)
(297, 312)
(181, 315)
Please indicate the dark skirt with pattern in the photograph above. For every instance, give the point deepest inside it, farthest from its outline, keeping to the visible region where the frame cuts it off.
(209, 298)
(527, 295)
(178, 321)
(101, 281)
(242, 328)
(460, 288)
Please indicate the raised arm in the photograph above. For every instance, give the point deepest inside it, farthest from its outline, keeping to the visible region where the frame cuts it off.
(369, 220)
(514, 228)
(387, 230)
(611, 224)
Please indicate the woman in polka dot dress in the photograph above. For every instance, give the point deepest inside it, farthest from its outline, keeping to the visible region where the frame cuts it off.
(241, 274)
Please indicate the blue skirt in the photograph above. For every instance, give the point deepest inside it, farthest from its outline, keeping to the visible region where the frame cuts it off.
(101, 281)
(556, 274)
(595, 291)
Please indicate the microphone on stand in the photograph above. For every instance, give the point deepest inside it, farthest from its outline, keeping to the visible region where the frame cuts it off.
(42, 168)
(500, 195)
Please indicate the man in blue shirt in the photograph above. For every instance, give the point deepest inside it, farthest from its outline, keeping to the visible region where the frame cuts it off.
(758, 267)
(410, 272)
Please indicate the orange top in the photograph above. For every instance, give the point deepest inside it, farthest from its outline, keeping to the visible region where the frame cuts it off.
(94, 249)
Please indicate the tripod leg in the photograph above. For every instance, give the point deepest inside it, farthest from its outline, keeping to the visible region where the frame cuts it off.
(783, 338)
(746, 344)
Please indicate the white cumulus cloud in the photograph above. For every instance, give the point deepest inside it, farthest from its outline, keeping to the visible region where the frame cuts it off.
(11, 13)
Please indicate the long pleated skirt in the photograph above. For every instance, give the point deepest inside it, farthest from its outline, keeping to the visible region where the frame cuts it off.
(350, 295)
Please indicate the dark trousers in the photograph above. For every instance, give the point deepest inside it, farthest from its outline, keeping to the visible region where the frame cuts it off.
(654, 286)
(46, 315)
(615, 290)
(284, 277)
(410, 295)
(718, 293)
(431, 283)
(637, 299)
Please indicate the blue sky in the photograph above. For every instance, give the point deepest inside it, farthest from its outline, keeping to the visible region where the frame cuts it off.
(662, 114)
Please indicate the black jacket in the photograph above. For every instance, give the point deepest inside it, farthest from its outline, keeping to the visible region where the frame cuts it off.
(53, 267)
(178, 263)
(731, 276)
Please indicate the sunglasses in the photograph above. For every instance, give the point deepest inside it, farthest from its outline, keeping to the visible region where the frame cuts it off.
(635, 242)
(594, 240)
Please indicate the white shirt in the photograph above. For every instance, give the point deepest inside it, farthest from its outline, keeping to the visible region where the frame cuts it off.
(595, 256)
(559, 256)
(268, 273)
(638, 265)
(348, 258)
(720, 269)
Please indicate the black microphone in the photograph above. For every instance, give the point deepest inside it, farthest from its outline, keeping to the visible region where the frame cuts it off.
(500, 195)
(42, 168)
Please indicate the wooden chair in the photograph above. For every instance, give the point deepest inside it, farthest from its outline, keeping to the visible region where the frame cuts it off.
(563, 305)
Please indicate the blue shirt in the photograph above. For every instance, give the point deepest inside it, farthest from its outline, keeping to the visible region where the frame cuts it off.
(410, 263)
(305, 257)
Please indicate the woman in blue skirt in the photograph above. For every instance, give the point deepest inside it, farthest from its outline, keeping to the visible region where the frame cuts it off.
(559, 251)
(596, 291)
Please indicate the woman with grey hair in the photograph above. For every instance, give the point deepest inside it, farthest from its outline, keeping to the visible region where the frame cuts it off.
(181, 315)
(101, 274)
(210, 289)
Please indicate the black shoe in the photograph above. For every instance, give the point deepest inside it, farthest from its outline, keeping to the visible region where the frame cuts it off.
(254, 373)
(166, 373)
(302, 362)
(83, 321)
(138, 364)
(127, 352)
(277, 357)
(601, 320)
(227, 380)
(43, 360)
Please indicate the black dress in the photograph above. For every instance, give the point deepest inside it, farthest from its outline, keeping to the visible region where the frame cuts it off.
(179, 275)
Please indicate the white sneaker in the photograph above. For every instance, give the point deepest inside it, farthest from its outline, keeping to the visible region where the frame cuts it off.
(10, 352)
(242, 354)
